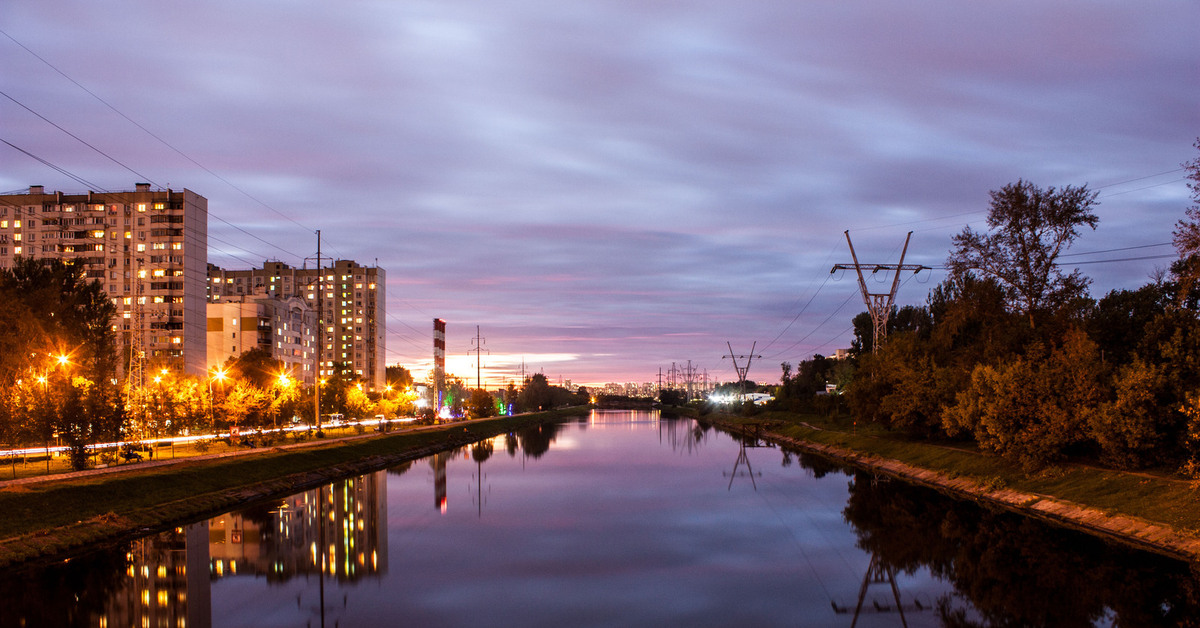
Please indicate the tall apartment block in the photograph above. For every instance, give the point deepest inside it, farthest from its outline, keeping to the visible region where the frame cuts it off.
(351, 299)
(149, 250)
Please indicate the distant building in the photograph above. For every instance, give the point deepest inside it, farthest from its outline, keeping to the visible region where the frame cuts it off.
(148, 249)
(840, 354)
(286, 328)
(352, 304)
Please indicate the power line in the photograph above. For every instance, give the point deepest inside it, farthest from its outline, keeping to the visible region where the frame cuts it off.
(141, 176)
(152, 134)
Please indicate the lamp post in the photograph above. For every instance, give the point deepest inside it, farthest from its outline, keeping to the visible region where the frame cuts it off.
(219, 376)
(284, 381)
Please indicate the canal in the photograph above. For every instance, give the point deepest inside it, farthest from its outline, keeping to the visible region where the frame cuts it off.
(617, 519)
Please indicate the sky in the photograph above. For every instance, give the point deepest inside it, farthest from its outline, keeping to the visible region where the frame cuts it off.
(608, 188)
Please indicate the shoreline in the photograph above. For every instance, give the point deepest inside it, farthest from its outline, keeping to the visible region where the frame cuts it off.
(1129, 530)
(351, 457)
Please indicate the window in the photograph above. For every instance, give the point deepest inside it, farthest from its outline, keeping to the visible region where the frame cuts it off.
(176, 246)
(141, 207)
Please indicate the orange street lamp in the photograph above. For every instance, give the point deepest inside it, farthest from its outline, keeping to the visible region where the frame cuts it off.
(218, 375)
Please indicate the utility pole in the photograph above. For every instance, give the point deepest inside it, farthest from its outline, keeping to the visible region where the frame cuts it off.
(741, 370)
(879, 305)
(319, 259)
(478, 350)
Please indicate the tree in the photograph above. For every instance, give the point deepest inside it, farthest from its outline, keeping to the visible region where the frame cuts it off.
(1187, 233)
(61, 334)
(1029, 229)
(1034, 408)
(398, 376)
(481, 404)
(535, 394)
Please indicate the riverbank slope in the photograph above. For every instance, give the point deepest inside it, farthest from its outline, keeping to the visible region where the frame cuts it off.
(1146, 510)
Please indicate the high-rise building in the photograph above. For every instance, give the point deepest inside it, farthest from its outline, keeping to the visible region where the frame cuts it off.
(149, 250)
(353, 308)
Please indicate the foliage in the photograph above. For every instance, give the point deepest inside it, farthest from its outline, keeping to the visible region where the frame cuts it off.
(1029, 229)
(1035, 408)
(481, 404)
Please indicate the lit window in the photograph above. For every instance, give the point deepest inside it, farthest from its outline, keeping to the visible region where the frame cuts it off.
(160, 273)
(177, 246)
(16, 237)
(160, 206)
(141, 248)
(17, 250)
(16, 224)
(98, 234)
(141, 207)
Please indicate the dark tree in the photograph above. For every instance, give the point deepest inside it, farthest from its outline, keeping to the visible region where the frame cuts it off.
(1028, 228)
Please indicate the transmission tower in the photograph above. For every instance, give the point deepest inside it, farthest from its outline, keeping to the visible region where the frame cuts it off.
(478, 349)
(879, 305)
(741, 370)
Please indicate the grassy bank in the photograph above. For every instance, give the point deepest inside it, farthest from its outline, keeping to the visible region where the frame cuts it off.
(59, 516)
(1155, 496)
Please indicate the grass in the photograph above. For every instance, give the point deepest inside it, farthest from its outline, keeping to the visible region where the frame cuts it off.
(1158, 497)
(58, 515)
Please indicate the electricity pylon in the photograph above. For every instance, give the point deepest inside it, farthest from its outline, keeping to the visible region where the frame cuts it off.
(879, 305)
(741, 370)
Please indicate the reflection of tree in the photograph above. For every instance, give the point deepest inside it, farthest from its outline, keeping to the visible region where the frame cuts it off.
(1014, 570)
(71, 593)
(401, 468)
(481, 451)
(535, 440)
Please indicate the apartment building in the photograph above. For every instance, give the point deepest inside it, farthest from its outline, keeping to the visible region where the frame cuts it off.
(284, 327)
(147, 247)
(350, 297)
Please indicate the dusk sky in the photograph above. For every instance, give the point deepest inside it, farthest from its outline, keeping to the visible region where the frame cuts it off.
(605, 188)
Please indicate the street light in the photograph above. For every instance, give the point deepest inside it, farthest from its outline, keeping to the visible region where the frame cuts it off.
(284, 381)
(219, 375)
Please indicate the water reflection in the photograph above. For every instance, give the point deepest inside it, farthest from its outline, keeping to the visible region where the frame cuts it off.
(625, 524)
(1008, 570)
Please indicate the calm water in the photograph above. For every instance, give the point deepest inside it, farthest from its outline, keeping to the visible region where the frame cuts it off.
(619, 519)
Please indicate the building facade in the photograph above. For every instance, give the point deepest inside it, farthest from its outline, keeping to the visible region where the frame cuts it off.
(286, 328)
(350, 299)
(147, 247)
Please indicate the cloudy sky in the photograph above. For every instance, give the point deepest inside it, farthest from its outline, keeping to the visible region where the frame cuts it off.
(608, 187)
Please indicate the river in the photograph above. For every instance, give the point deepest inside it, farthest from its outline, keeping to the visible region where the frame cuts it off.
(617, 519)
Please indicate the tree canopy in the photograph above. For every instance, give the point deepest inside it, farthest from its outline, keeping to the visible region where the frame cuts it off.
(1028, 229)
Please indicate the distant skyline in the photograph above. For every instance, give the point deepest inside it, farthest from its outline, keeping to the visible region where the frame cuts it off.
(605, 188)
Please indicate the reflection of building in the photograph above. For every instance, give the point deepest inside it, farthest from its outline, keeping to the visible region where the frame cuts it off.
(166, 582)
(343, 525)
(438, 462)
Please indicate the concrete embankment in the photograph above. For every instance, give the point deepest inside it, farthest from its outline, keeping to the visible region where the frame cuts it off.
(1133, 531)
